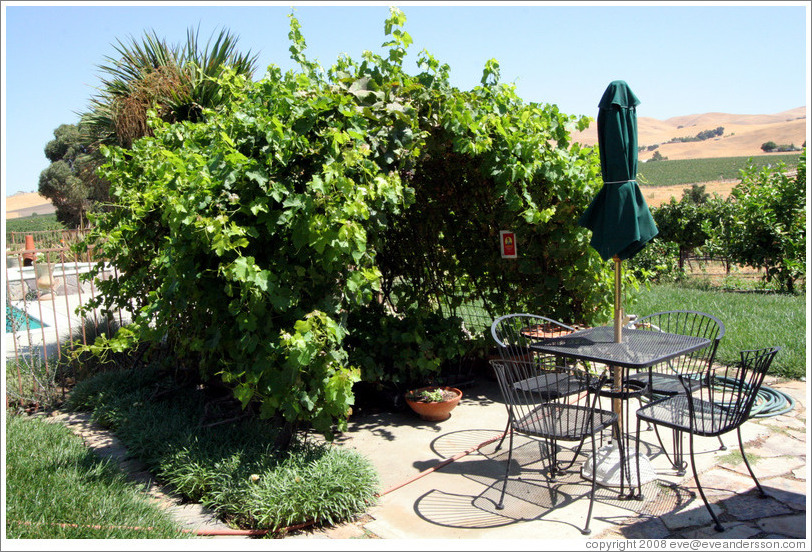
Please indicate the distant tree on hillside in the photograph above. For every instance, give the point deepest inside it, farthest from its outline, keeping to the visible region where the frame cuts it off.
(696, 194)
(703, 135)
(769, 146)
(708, 134)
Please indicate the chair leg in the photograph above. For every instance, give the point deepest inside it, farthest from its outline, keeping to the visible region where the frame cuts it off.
(699, 486)
(501, 503)
(746, 463)
(552, 452)
(574, 455)
(502, 440)
(677, 463)
(679, 453)
(586, 530)
(721, 443)
(637, 462)
(640, 405)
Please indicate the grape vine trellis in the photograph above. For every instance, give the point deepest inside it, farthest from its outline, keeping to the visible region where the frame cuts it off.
(321, 227)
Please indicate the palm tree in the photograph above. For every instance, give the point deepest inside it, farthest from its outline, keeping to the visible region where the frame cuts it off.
(178, 81)
(150, 73)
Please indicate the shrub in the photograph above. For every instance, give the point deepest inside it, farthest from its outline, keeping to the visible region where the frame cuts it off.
(402, 349)
(30, 382)
(657, 262)
(247, 241)
(767, 228)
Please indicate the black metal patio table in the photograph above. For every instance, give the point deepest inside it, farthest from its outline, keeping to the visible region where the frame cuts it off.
(638, 350)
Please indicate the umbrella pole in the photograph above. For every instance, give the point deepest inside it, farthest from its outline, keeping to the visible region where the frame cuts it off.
(616, 370)
(618, 306)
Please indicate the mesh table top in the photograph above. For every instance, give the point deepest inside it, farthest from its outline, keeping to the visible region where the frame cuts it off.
(639, 348)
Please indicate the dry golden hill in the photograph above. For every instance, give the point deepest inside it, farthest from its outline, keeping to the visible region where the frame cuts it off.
(24, 204)
(742, 137)
(24, 200)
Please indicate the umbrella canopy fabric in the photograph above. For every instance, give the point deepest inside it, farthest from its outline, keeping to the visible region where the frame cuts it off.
(618, 216)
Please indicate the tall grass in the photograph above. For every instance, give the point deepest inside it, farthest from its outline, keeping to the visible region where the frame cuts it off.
(57, 489)
(33, 382)
(752, 321)
(30, 381)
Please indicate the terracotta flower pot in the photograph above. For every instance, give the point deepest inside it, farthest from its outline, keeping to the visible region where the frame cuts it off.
(434, 411)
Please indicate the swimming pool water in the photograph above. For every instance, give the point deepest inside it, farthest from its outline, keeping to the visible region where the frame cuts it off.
(17, 320)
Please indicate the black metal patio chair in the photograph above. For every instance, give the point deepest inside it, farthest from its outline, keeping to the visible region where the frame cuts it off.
(721, 404)
(553, 417)
(663, 379)
(513, 334)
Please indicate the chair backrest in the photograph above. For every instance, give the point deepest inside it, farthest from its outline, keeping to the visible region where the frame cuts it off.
(734, 389)
(533, 410)
(685, 322)
(514, 333)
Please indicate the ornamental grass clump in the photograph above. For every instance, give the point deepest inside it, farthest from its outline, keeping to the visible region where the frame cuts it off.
(232, 468)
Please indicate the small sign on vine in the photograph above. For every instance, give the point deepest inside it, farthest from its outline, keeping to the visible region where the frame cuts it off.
(508, 244)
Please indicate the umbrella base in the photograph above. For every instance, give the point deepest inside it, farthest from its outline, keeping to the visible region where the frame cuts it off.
(607, 472)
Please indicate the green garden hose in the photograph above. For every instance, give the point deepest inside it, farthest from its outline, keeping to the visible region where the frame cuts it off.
(769, 401)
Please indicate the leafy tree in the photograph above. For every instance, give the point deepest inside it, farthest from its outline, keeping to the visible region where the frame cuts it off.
(680, 222)
(696, 194)
(768, 227)
(69, 181)
(177, 81)
(769, 146)
(270, 241)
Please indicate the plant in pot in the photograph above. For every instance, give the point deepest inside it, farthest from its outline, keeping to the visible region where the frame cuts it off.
(433, 403)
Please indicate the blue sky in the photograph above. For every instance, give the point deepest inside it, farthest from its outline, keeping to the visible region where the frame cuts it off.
(679, 58)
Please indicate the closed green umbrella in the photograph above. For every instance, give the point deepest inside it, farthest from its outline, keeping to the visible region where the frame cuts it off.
(620, 221)
(618, 216)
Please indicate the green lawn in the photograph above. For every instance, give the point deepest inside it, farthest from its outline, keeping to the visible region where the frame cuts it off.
(58, 489)
(752, 321)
